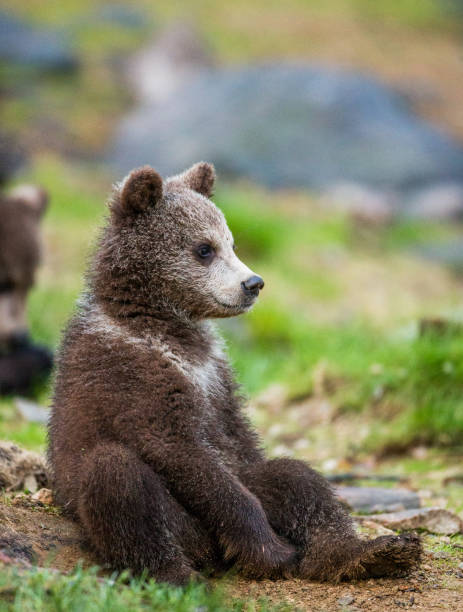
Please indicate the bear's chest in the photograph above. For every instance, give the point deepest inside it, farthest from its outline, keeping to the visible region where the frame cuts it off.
(209, 379)
(204, 375)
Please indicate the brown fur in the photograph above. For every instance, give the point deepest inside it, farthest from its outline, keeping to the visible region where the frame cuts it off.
(20, 213)
(149, 447)
(21, 363)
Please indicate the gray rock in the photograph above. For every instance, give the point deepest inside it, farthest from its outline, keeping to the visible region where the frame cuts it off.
(376, 499)
(346, 600)
(170, 62)
(441, 201)
(449, 253)
(34, 48)
(290, 126)
(434, 520)
(440, 554)
(32, 412)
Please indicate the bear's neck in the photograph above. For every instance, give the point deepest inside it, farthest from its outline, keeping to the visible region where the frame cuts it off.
(142, 320)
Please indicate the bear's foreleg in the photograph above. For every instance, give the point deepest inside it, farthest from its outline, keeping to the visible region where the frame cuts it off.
(302, 508)
(132, 521)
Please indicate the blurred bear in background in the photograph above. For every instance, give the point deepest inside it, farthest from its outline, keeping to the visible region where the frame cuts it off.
(22, 364)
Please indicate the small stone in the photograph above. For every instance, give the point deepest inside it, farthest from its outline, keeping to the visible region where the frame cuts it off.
(440, 554)
(445, 540)
(434, 520)
(441, 201)
(460, 566)
(377, 499)
(44, 496)
(31, 411)
(377, 528)
(346, 600)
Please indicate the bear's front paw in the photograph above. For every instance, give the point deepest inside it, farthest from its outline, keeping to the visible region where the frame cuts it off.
(177, 574)
(267, 556)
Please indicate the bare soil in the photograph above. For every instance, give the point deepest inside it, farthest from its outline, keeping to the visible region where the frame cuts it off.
(426, 589)
(54, 540)
(58, 543)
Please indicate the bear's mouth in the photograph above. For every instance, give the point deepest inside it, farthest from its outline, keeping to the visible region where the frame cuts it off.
(242, 306)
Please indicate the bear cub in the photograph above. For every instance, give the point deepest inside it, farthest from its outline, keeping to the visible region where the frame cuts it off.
(22, 363)
(149, 448)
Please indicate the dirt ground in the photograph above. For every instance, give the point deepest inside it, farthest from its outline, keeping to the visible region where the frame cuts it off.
(36, 533)
(426, 589)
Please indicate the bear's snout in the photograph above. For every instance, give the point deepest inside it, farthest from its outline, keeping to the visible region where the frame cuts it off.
(253, 285)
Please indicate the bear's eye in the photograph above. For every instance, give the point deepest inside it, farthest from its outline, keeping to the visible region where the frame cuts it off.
(205, 251)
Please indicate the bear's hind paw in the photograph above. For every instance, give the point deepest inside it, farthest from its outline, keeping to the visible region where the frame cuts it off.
(392, 556)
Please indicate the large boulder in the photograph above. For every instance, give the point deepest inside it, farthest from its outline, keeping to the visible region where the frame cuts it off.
(290, 126)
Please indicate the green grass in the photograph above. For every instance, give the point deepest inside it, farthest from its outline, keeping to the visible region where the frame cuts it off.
(420, 379)
(39, 590)
(293, 243)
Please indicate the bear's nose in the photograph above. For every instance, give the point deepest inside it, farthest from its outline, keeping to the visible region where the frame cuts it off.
(253, 285)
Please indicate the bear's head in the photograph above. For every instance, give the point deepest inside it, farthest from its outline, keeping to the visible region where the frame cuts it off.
(167, 249)
(20, 214)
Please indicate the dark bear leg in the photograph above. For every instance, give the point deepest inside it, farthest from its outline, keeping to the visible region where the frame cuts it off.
(301, 507)
(132, 521)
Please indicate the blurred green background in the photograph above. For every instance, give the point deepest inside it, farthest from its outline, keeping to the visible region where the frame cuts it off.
(338, 322)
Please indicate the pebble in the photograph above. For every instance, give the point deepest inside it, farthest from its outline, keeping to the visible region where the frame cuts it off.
(44, 496)
(440, 554)
(346, 600)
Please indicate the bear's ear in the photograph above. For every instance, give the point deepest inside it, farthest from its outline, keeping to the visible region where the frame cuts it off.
(200, 177)
(35, 198)
(141, 190)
